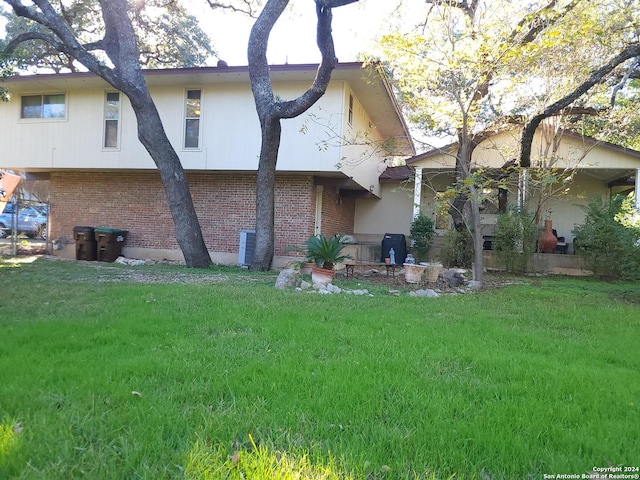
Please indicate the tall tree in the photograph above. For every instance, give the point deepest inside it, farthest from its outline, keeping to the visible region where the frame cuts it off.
(272, 110)
(117, 42)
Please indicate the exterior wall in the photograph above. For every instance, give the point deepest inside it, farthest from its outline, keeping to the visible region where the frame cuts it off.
(390, 214)
(567, 211)
(316, 141)
(337, 212)
(362, 158)
(136, 202)
(572, 151)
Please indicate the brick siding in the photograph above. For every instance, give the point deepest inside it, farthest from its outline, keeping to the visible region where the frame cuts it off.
(225, 204)
(338, 213)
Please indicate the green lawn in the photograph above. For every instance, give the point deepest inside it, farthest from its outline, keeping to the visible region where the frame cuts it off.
(104, 377)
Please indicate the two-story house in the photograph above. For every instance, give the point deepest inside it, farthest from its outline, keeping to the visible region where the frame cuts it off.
(80, 134)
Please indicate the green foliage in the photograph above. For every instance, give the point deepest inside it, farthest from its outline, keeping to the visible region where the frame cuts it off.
(609, 238)
(167, 35)
(458, 249)
(422, 230)
(325, 252)
(515, 239)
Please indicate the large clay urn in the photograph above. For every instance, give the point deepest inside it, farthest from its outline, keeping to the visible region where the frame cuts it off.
(547, 241)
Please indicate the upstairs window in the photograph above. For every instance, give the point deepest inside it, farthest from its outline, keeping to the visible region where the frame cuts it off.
(350, 118)
(44, 106)
(111, 120)
(192, 119)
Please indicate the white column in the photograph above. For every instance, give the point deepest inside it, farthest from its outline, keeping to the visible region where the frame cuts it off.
(522, 188)
(638, 189)
(417, 193)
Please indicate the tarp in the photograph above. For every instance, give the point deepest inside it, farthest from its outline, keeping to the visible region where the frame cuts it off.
(8, 183)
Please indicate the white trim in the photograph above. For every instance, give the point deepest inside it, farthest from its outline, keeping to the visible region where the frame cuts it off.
(417, 193)
(317, 228)
(638, 189)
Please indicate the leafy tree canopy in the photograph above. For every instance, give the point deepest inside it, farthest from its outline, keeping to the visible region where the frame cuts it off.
(475, 64)
(167, 35)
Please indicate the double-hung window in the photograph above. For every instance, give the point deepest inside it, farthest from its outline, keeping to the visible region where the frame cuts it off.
(44, 106)
(350, 118)
(192, 119)
(111, 120)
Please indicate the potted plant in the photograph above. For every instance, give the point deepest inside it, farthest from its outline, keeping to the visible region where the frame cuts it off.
(324, 253)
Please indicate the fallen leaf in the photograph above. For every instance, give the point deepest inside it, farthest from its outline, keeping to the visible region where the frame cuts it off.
(137, 394)
(235, 458)
(18, 428)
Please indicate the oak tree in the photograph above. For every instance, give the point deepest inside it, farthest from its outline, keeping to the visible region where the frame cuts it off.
(114, 56)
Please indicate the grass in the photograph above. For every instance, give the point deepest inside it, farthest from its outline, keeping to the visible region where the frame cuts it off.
(226, 377)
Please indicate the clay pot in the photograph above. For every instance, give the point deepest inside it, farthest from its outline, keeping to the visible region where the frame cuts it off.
(321, 277)
(547, 241)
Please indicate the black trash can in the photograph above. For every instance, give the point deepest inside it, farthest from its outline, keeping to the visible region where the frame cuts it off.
(110, 242)
(396, 241)
(86, 246)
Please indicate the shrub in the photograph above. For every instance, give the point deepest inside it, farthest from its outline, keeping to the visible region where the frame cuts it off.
(422, 230)
(515, 239)
(609, 238)
(458, 249)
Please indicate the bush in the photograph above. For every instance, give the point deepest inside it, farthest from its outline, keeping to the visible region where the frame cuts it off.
(422, 230)
(608, 239)
(515, 239)
(458, 249)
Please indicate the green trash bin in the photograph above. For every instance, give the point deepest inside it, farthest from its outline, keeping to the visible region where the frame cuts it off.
(86, 246)
(110, 242)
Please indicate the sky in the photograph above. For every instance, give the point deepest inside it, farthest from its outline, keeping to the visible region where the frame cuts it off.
(355, 28)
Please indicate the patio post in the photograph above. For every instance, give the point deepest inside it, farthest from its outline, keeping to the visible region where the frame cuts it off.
(638, 189)
(523, 182)
(417, 193)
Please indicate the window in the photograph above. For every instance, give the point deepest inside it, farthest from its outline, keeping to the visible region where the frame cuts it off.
(192, 119)
(111, 119)
(44, 106)
(350, 109)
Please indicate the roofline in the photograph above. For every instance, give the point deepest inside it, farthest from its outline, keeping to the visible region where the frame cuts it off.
(576, 136)
(288, 67)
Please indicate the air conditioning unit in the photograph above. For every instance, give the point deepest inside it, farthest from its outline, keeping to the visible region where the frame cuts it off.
(247, 247)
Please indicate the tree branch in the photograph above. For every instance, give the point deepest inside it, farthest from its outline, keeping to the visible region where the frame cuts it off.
(28, 36)
(631, 51)
(247, 11)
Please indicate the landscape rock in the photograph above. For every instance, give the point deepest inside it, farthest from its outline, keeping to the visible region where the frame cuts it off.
(287, 278)
(451, 278)
(428, 293)
(129, 261)
(474, 285)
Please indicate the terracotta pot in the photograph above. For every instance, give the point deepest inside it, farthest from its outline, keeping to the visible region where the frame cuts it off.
(305, 268)
(321, 277)
(547, 241)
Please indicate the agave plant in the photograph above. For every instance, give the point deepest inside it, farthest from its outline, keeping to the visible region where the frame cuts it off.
(325, 252)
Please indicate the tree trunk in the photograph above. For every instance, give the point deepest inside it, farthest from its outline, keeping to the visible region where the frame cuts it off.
(271, 110)
(119, 44)
(478, 257)
(265, 194)
(187, 227)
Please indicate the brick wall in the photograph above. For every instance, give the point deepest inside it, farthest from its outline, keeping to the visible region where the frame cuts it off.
(338, 213)
(135, 201)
